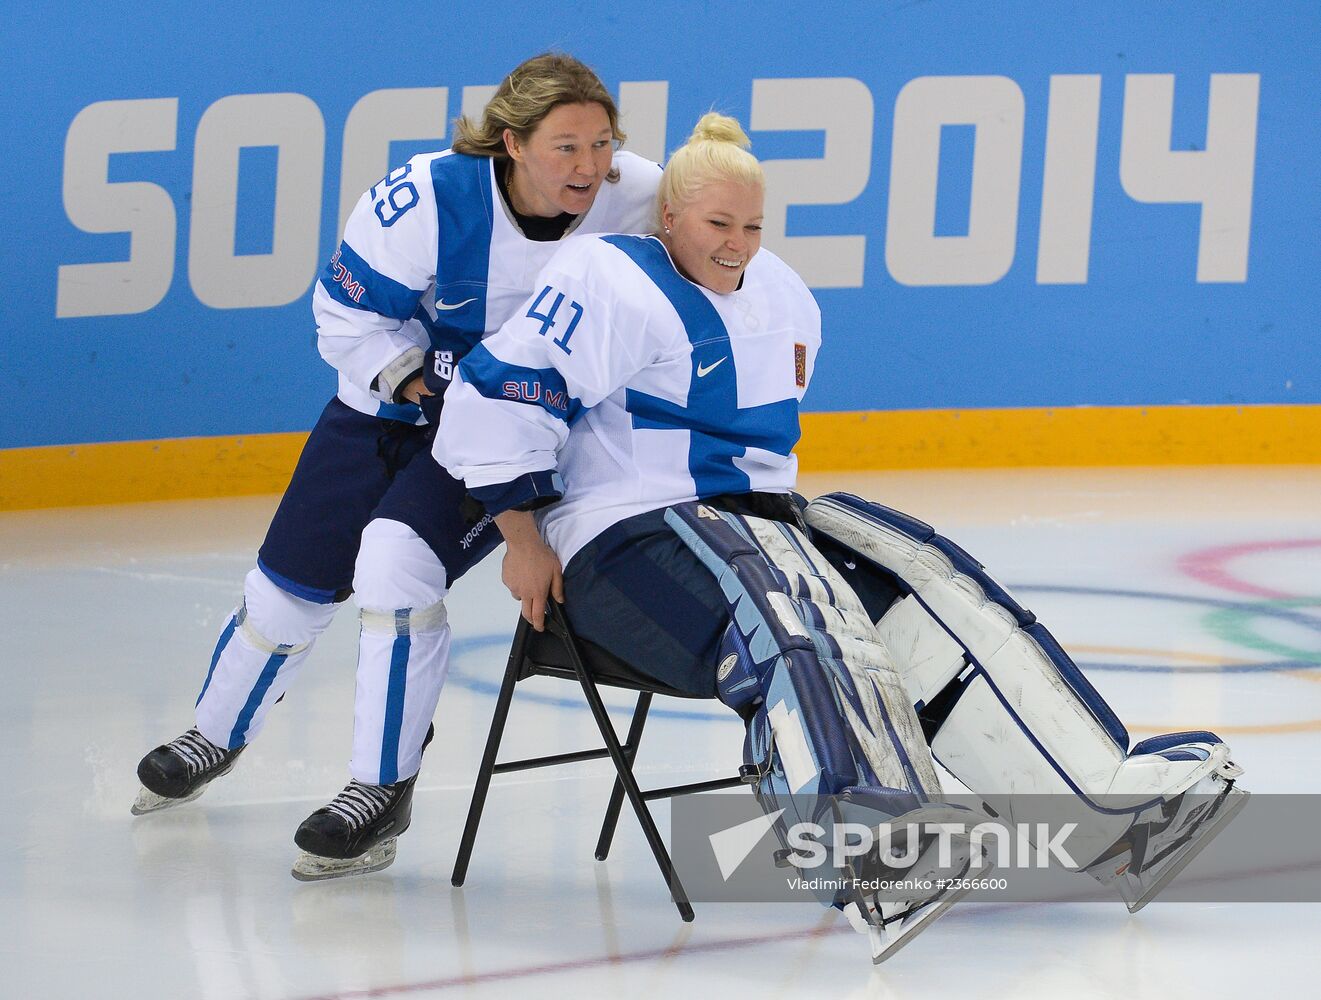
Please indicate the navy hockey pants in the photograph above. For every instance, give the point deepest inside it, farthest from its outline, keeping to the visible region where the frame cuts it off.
(354, 468)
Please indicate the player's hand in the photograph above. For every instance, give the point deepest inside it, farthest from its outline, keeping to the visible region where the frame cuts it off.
(531, 575)
(531, 570)
(416, 390)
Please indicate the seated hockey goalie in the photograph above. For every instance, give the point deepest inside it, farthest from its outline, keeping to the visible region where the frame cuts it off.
(659, 444)
(650, 373)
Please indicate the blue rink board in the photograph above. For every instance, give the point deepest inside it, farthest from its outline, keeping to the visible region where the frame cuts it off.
(1138, 329)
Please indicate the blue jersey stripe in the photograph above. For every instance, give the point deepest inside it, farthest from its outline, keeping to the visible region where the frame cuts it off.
(544, 387)
(465, 219)
(719, 430)
(352, 282)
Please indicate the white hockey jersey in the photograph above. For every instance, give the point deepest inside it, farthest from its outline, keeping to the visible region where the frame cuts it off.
(673, 392)
(431, 258)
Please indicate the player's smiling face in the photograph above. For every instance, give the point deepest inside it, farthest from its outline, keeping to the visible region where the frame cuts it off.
(560, 166)
(714, 235)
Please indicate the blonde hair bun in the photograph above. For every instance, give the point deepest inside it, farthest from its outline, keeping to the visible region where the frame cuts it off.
(715, 127)
(716, 151)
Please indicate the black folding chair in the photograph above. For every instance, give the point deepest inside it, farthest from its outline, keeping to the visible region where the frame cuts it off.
(557, 652)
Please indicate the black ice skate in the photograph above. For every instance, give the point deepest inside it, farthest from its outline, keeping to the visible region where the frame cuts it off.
(357, 832)
(180, 770)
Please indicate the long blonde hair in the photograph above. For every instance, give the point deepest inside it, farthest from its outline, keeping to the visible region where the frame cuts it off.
(716, 151)
(526, 96)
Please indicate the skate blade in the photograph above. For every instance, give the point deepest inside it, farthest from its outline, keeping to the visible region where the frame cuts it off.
(1235, 799)
(886, 944)
(314, 868)
(149, 802)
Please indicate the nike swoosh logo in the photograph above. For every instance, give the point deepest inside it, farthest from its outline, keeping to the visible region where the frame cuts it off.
(705, 370)
(442, 306)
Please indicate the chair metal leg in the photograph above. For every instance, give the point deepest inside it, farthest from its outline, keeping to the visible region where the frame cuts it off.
(617, 793)
(483, 783)
(624, 770)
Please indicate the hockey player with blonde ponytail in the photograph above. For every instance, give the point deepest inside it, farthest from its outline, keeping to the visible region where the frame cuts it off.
(661, 446)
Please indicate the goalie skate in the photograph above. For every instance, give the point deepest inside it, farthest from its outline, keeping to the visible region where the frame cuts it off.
(1157, 848)
(892, 923)
(891, 927)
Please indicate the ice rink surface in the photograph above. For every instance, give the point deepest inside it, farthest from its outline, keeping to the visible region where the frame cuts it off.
(1162, 583)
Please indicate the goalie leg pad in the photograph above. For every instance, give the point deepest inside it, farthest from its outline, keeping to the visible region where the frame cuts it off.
(1007, 710)
(827, 716)
(836, 709)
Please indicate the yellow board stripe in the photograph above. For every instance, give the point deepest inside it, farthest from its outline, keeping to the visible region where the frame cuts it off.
(178, 468)
(131, 471)
(1081, 435)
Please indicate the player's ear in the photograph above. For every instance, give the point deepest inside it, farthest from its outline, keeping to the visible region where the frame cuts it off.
(513, 145)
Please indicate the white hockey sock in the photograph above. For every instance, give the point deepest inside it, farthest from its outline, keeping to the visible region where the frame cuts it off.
(403, 651)
(256, 658)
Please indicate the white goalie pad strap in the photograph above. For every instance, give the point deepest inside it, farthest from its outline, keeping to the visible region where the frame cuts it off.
(405, 621)
(930, 659)
(1025, 721)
